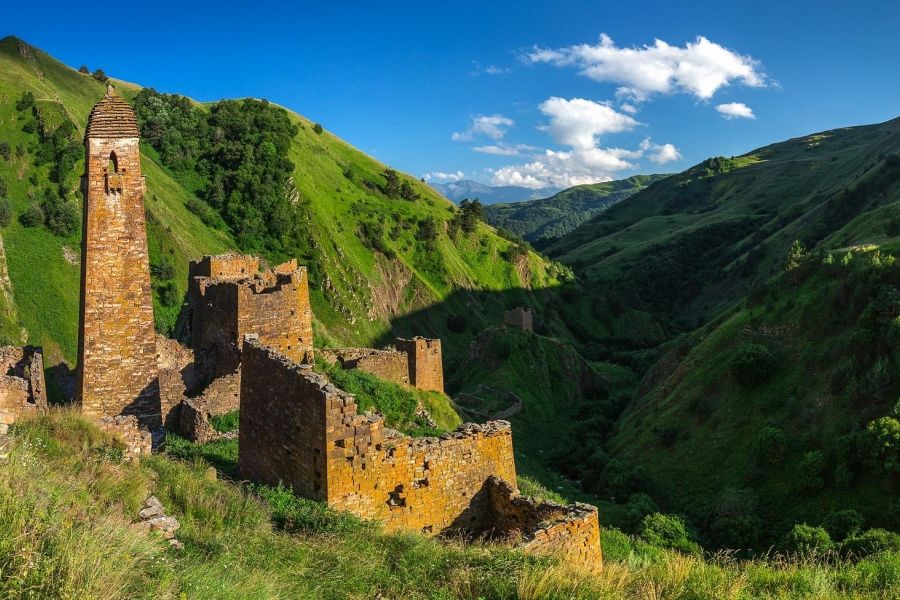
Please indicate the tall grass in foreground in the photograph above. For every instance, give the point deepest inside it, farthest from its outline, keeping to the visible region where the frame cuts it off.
(67, 500)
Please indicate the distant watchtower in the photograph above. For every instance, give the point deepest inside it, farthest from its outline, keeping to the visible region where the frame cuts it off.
(117, 371)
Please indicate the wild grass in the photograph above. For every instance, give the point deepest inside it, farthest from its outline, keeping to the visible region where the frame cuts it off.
(67, 501)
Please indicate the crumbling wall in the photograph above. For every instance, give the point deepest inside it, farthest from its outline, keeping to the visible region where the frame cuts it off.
(177, 377)
(572, 532)
(282, 422)
(273, 304)
(137, 441)
(519, 317)
(22, 387)
(224, 266)
(426, 370)
(297, 428)
(390, 365)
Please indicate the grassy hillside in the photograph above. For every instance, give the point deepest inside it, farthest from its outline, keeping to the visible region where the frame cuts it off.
(693, 244)
(772, 280)
(540, 221)
(777, 399)
(67, 502)
(365, 250)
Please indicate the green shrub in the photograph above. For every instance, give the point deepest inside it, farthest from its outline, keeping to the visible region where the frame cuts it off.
(842, 524)
(168, 294)
(869, 542)
(668, 531)
(805, 539)
(60, 217)
(883, 439)
(769, 445)
(753, 365)
(811, 471)
(32, 217)
(318, 128)
(639, 506)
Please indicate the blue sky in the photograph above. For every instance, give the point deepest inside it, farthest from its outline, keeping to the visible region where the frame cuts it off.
(531, 93)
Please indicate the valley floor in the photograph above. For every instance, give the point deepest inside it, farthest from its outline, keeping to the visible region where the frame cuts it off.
(68, 500)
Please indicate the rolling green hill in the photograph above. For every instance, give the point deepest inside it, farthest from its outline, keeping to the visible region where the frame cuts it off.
(772, 277)
(548, 218)
(693, 244)
(368, 259)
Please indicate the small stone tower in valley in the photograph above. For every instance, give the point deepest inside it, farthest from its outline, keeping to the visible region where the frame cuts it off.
(426, 370)
(117, 371)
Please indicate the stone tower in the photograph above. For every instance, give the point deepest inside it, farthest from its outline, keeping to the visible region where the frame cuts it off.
(426, 371)
(117, 372)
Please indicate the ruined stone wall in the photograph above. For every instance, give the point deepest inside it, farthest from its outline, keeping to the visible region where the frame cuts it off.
(282, 422)
(425, 484)
(390, 365)
(519, 317)
(22, 387)
(274, 305)
(297, 428)
(279, 314)
(426, 370)
(224, 266)
(572, 532)
(116, 371)
(177, 377)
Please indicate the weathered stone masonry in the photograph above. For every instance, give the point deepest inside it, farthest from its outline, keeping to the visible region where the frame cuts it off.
(519, 317)
(116, 372)
(22, 389)
(229, 301)
(298, 429)
(416, 362)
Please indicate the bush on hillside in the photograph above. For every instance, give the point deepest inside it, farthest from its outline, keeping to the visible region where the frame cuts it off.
(32, 217)
(883, 439)
(769, 445)
(100, 75)
(842, 524)
(869, 542)
(753, 365)
(60, 217)
(318, 128)
(638, 507)
(668, 531)
(25, 102)
(804, 540)
(811, 471)
(5, 150)
(736, 524)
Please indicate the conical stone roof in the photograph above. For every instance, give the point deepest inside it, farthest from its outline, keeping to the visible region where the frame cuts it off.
(112, 117)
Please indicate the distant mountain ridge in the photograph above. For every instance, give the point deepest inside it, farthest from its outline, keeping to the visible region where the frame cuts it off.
(487, 194)
(548, 218)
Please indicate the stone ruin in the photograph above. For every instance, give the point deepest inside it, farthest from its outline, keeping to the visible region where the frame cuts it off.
(416, 362)
(520, 317)
(22, 388)
(251, 348)
(299, 430)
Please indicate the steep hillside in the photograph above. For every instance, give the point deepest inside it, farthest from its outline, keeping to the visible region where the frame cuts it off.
(373, 255)
(772, 277)
(540, 221)
(693, 244)
(790, 399)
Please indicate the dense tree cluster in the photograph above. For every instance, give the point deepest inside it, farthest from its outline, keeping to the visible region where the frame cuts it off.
(239, 150)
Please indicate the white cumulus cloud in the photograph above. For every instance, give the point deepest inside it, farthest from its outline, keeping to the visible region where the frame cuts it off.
(442, 177)
(579, 122)
(490, 126)
(503, 149)
(699, 68)
(663, 154)
(735, 110)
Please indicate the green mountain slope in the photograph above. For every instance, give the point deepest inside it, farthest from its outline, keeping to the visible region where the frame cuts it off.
(547, 218)
(694, 243)
(358, 285)
(758, 413)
